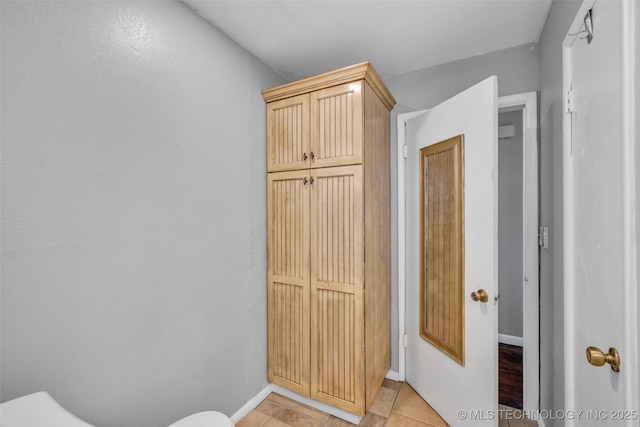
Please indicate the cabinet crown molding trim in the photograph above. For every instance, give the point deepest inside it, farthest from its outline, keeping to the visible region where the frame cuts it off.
(361, 71)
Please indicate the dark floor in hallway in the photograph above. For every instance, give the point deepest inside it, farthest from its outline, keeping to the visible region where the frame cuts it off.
(510, 375)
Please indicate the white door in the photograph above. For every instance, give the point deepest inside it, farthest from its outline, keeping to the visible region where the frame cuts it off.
(599, 217)
(462, 394)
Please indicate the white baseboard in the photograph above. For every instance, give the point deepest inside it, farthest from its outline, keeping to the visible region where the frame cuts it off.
(511, 340)
(393, 375)
(258, 398)
(251, 404)
(342, 414)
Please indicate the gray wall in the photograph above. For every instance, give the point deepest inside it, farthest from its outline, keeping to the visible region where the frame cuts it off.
(517, 70)
(133, 211)
(510, 226)
(560, 17)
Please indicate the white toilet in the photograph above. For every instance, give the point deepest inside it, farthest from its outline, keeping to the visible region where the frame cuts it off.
(40, 410)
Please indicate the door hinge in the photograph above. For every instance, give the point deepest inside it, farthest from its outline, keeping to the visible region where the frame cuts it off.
(543, 237)
(404, 340)
(405, 151)
(569, 102)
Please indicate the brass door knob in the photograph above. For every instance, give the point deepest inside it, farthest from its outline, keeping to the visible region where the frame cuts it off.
(597, 357)
(480, 295)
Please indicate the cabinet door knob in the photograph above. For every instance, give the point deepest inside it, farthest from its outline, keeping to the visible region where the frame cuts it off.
(313, 156)
(312, 180)
(597, 357)
(304, 156)
(304, 181)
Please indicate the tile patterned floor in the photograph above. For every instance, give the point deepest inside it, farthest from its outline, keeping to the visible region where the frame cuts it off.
(396, 405)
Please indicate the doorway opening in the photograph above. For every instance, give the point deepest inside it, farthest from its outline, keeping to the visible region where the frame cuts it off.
(511, 256)
(525, 106)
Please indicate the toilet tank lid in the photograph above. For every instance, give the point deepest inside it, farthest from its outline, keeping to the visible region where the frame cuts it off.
(204, 419)
(37, 410)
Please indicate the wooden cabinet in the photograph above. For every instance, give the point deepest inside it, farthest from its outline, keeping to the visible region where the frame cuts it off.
(318, 129)
(329, 236)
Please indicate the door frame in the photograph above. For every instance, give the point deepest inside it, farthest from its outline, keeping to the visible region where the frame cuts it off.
(531, 316)
(629, 207)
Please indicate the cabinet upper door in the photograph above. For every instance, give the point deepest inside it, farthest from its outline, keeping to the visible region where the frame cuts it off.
(288, 134)
(336, 125)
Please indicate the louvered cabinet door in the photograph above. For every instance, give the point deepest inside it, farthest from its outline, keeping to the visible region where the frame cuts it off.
(337, 328)
(288, 134)
(288, 280)
(336, 125)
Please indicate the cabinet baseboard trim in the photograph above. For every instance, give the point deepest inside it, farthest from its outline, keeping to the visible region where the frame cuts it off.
(258, 398)
(342, 414)
(251, 404)
(393, 375)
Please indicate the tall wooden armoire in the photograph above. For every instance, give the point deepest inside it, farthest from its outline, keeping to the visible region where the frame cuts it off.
(329, 236)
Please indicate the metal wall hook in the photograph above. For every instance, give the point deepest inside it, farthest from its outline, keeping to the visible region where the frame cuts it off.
(588, 25)
(588, 28)
(579, 32)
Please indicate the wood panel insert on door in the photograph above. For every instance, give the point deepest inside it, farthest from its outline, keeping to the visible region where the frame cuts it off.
(442, 246)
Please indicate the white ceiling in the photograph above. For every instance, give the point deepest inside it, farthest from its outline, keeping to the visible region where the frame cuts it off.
(300, 38)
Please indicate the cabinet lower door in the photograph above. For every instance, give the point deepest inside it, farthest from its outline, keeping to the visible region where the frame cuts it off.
(337, 329)
(288, 280)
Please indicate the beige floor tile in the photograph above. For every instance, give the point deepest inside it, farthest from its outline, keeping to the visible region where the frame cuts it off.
(396, 420)
(383, 402)
(337, 422)
(270, 408)
(253, 419)
(409, 404)
(275, 423)
(522, 423)
(372, 420)
(294, 419)
(393, 385)
(299, 407)
(287, 416)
